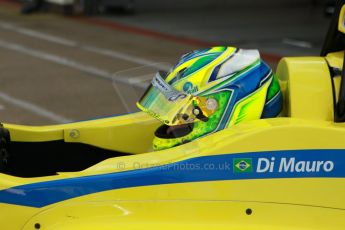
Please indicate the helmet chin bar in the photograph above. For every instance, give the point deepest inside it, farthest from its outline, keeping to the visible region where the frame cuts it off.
(168, 132)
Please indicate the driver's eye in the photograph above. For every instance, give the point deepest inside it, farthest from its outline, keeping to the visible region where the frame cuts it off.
(163, 74)
(181, 72)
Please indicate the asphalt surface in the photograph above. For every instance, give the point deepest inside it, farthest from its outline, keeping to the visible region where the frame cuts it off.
(56, 69)
(296, 29)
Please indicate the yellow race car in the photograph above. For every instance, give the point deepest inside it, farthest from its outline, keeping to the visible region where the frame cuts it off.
(241, 149)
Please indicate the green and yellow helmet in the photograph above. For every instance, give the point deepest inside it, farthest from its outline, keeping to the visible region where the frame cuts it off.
(209, 90)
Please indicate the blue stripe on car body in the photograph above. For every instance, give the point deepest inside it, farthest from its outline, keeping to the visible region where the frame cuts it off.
(46, 193)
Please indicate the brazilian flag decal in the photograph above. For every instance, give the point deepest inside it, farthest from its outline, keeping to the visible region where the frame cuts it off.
(242, 165)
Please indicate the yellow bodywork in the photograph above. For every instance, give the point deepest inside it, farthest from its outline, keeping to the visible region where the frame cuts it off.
(260, 203)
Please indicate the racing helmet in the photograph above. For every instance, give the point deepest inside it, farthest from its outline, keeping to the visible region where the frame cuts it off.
(209, 90)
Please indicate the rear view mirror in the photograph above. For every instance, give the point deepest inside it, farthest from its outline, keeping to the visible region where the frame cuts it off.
(341, 22)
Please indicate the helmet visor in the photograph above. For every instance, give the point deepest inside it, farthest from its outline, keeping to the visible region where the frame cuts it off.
(165, 103)
(173, 107)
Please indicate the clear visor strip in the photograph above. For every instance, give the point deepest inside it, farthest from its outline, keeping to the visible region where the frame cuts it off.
(167, 90)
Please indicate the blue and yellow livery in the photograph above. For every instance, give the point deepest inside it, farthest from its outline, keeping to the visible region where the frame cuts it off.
(277, 173)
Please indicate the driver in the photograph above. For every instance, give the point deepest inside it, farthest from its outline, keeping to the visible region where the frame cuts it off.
(209, 90)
